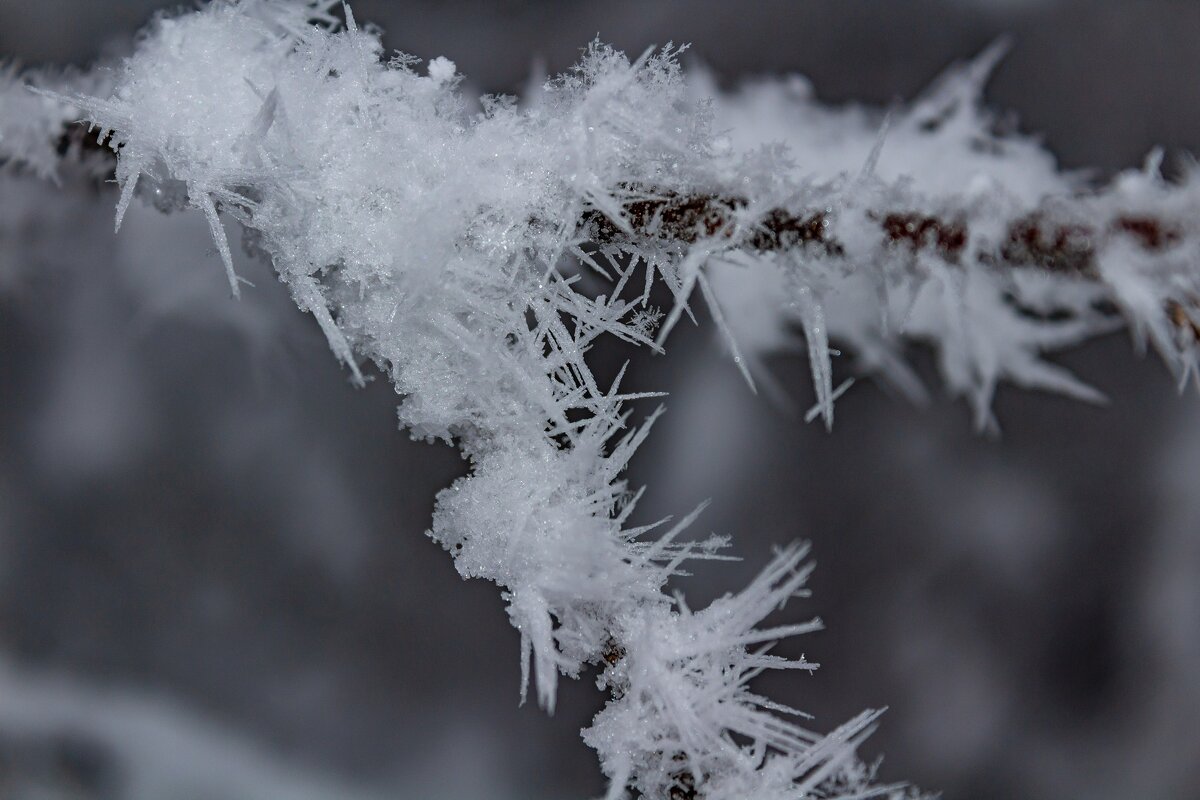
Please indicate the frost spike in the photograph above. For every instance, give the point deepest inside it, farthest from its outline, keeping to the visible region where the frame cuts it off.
(206, 204)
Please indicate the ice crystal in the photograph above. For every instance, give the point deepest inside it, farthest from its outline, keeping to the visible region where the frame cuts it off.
(446, 248)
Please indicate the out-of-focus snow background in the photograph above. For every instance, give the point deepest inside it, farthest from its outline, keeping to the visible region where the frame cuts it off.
(213, 578)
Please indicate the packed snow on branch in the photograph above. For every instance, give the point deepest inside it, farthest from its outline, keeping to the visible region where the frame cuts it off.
(457, 251)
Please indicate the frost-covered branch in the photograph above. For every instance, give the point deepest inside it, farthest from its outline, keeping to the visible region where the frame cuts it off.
(441, 245)
(1035, 240)
(1045, 277)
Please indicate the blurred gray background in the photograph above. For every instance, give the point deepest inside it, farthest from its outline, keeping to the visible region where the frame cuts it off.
(199, 513)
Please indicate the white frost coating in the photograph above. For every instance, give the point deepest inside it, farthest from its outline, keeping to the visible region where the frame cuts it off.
(943, 155)
(938, 144)
(434, 243)
(33, 121)
(442, 69)
(428, 241)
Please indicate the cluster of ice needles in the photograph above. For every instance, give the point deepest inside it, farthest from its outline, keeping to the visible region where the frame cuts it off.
(455, 249)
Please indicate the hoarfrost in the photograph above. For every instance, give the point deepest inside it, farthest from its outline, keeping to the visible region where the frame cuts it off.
(432, 243)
